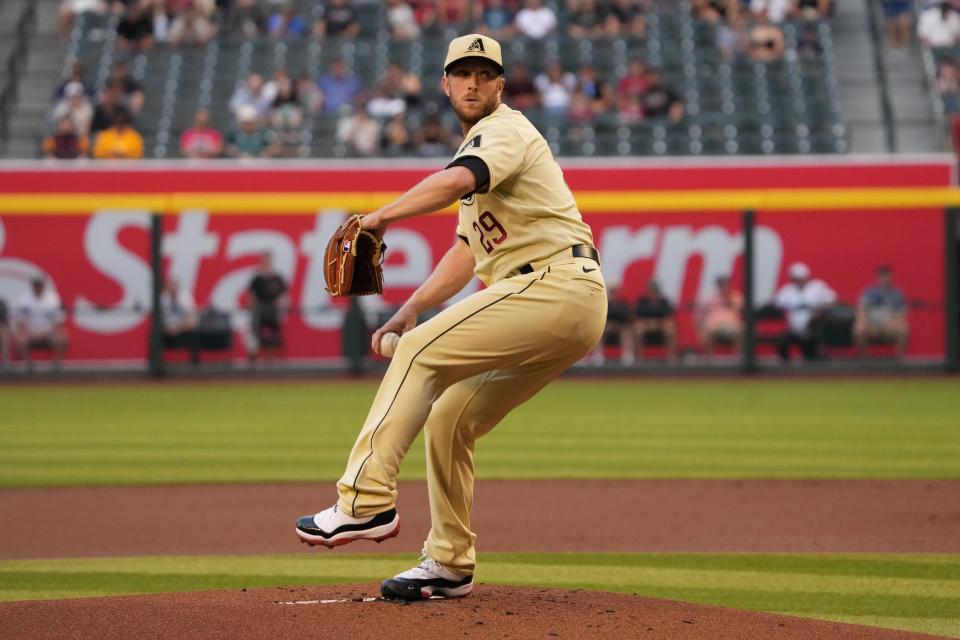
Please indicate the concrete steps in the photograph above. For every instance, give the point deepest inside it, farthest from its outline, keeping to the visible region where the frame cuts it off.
(43, 72)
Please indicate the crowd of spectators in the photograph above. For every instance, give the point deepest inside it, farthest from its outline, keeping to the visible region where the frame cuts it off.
(390, 116)
(806, 314)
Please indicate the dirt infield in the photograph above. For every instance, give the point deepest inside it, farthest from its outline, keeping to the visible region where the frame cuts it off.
(623, 515)
(491, 612)
(600, 515)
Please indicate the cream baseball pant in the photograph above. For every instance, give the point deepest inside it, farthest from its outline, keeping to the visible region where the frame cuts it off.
(456, 376)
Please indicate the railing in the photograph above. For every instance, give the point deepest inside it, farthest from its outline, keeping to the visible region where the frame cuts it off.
(886, 105)
(17, 59)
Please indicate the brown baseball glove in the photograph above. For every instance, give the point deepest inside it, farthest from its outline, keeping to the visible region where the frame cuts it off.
(353, 262)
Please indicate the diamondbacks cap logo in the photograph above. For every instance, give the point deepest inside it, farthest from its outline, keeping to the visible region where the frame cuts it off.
(472, 143)
(476, 45)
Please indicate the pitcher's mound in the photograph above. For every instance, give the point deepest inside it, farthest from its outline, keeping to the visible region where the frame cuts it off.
(345, 612)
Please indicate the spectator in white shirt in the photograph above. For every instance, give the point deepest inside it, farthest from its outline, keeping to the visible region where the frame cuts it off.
(939, 26)
(556, 88)
(775, 10)
(179, 319)
(39, 322)
(535, 20)
(803, 300)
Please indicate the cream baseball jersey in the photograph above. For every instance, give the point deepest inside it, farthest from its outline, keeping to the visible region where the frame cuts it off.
(526, 212)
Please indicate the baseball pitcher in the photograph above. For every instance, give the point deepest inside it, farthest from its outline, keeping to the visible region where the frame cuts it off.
(457, 375)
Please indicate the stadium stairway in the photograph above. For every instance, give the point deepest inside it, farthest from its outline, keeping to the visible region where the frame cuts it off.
(861, 96)
(41, 75)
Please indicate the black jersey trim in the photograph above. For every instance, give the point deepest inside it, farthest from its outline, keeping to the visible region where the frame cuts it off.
(479, 169)
(356, 494)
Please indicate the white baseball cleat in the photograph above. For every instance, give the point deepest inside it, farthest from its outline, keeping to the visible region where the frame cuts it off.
(427, 579)
(333, 528)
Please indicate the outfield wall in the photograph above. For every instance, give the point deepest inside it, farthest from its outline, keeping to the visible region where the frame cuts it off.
(98, 257)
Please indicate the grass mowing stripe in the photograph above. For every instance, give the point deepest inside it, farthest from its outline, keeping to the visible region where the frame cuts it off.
(637, 428)
(920, 593)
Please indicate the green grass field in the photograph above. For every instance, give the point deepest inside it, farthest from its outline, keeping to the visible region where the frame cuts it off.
(919, 593)
(574, 429)
(179, 433)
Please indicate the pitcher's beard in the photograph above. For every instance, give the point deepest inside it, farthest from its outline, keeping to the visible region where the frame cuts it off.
(472, 118)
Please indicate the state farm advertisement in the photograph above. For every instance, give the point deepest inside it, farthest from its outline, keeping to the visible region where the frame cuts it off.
(99, 263)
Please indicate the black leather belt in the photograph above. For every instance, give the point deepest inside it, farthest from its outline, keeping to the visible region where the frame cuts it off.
(578, 251)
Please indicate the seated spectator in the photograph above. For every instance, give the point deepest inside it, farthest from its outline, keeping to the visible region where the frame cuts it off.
(519, 91)
(733, 38)
(808, 44)
(106, 109)
(882, 315)
(624, 17)
(654, 322)
(201, 140)
(635, 83)
(340, 87)
(433, 139)
(899, 19)
(254, 94)
(496, 20)
(311, 98)
(396, 139)
(70, 9)
(401, 21)
(596, 89)
(454, 13)
(251, 139)
(556, 87)
(718, 318)
(76, 75)
(774, 11)
(135, 29)
(766, 41)
(716, 11)
(810, 9)
(659, 101)
(803, 300)
(948, 85)
(39, 322)
(190, 26)
(383, 106)
(337, 19)
(286, 111)
(535, 20)
(121, 141)
(179, 314)
(580, 112)
(131, 95)
(400, 83)
(939, 26)
(359, 132)
(619, 328)
(245, 17)
(584, 19)
(268, 303)
(65, 143)
(76, 107)
(285, 23)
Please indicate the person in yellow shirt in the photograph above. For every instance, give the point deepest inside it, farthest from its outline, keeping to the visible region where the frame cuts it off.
(121, 141)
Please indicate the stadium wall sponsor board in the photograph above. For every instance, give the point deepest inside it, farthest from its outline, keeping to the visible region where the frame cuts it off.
(99, 262)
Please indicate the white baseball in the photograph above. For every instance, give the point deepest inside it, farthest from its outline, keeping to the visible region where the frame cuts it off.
(388, 344)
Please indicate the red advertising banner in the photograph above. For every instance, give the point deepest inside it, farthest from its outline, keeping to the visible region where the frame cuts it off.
(99, 263)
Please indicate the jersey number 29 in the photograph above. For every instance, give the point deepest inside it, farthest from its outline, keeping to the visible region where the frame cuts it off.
(489, 224)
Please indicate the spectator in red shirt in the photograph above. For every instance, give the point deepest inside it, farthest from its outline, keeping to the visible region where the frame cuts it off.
(201, 140)
(65, 143)
(635, 83)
